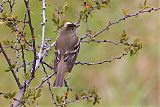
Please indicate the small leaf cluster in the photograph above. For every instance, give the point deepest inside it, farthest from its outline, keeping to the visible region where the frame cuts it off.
(91, 96)
(9, 19)
(8, 42)
(30, 96)
(10, 68)
(89, 6)
(125, 11)
(59, 16)
(144, 5)
(132, 48)
(9, 95)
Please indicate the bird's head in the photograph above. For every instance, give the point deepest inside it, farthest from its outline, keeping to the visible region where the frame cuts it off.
(70, 25)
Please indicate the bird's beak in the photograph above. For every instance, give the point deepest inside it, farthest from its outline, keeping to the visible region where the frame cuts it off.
(77, 25)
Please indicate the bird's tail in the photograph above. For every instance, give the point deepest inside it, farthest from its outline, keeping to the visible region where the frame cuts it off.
(59, 81)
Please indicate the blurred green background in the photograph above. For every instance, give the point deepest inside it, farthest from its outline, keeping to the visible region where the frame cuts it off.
(129, 82)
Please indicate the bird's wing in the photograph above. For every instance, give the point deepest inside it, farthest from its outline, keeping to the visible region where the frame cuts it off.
(71, 54)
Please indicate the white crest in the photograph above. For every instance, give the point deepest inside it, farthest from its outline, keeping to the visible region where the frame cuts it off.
(67, 23)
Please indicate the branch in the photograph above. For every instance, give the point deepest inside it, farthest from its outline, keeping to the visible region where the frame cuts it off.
(101, 62)
(23, 58)
(124, 18)
(72, 101)
(100, 41)
(43, 33)
(20, 95)
(49, 86)
(32, 33)
(44, 80)
(26, 83)
(16, 61)
(52, 68)
(11, 5)
(10, 66)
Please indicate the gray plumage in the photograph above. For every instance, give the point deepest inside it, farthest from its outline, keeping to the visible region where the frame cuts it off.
(66, 51)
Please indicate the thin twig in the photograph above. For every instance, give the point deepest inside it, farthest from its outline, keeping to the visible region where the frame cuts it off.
(74, 100)
(33, 36)
(22, 54)
(44, 80)
(11, 5)
(101, 62)
(124, 18)
(49, 86)
(51, 67)
(100, 41)
(17, 57)
(10, 66)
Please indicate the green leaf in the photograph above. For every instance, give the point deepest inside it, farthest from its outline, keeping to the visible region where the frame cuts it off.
(145, 2)
(6, 96)
(131, 52)
(12, 95)
(94, 91)
(9, 95)
(96, 100)
(59, 99)
(7, 70)
(65, 6)
(4, 15)
(125, 12)
(98, 5)
(12, 66)
(38, 94)
(27, 76)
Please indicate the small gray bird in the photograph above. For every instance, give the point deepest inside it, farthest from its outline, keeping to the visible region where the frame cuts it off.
(66, 50)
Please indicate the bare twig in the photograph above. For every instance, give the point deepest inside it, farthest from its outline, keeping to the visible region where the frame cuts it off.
(100, 41)
(22, 54)
(49, 86)
(17, 57)
(101, 62)
(44, 80)
(11, 4)
(33, 36)
(51, 67)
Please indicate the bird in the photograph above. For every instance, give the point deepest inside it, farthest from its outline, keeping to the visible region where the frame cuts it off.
(67, 47)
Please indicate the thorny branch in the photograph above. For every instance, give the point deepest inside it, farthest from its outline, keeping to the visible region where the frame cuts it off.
(124, 18)
(43, 32)
(100, 41)
(101, 62)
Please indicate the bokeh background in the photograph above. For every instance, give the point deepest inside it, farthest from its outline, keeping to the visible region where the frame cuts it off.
(129, 82)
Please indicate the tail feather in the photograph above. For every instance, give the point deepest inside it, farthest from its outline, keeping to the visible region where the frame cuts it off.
(59, 81)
